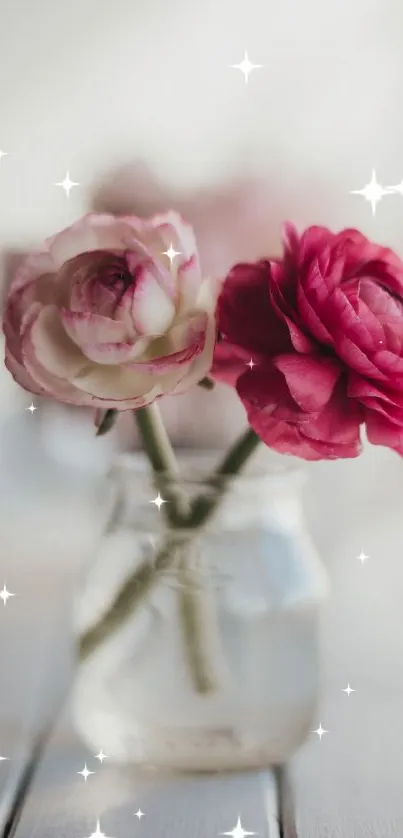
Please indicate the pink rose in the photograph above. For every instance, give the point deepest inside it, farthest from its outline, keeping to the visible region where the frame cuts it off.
(100, 318)
(324, 326)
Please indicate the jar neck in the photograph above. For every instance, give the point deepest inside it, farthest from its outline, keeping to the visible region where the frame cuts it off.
(267, 491)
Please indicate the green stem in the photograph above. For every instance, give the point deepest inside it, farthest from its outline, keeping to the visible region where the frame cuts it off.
(160, 453)
(155, 439)
(139, 583)
(230, 466)
(163, 462)
(132, 593)
(198, 624)
(238, 454)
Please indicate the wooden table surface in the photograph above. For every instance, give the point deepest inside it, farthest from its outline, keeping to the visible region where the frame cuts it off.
(346, 785)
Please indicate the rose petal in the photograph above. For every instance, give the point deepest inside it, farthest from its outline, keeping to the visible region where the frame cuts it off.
(153, 311)
(389, 363)
(122, 388)
(92, 232)
(22, 376)
(380, 431)
(387, 402)
(86, 328)
(311, 318)
(291, 439)
(83, 280)
(339, 421)
(310, 380)
(356, 359)
(246, 289)
(229, 363)
(202, 363)
(189, 280)
(46, 339)
(55, 386)
(312, 242)
(102, 340)
(167, 363)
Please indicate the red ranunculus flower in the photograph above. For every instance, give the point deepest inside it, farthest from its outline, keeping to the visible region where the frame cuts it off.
(324, 328)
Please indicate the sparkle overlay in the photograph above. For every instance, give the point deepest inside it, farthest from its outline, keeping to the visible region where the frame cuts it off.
(158, 501)
(139, 814)
(238, 831)
(398, 188)
(348, 690)
(85, 773)
(32, 408)
(3, 154)
(362, 557)
(101, 756)
(320, 731)
(246, 67)
(251, 364)
(171, 253)
(67, 184)
(372, 192)
(98, 832)
(5, 595)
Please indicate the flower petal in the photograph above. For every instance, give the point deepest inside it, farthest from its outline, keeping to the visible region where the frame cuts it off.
(229, 363)
(34, 350)
(46, 340)
(92, 232)
(202, 363)
(380, 431)
(189, 280)
(311, 380)
(123, 389)
(86, 328)
(287, 438)
(21, 375)
(101, 339)
(181, 345)
(153, 311)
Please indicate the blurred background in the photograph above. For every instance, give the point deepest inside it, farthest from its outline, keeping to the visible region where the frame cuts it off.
(139, 104)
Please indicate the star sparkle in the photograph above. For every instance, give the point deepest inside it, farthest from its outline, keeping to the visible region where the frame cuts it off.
(238, 831)
(171, 253)
(67, 184)
(98, 832)
(246, 67)
(5, 595)
(348, 690)
(362, 557)
(32, 408)
(158, 501)
(398, 188)
(101, 756)
(320, 731)
(251, 364)
(85, 773)
(139, 814)
(4, 154)
(372, 192)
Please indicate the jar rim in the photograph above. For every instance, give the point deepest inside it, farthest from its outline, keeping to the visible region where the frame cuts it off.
(196, 466)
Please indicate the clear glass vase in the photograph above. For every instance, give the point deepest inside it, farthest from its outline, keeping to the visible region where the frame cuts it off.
(199, 645)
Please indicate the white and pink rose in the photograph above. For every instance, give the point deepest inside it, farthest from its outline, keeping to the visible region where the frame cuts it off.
(101, 318)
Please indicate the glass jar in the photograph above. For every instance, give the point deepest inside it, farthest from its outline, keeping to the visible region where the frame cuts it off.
(200, 644)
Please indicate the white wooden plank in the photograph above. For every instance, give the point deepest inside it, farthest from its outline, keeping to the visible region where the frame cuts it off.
(61, 802)
(34, 670)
